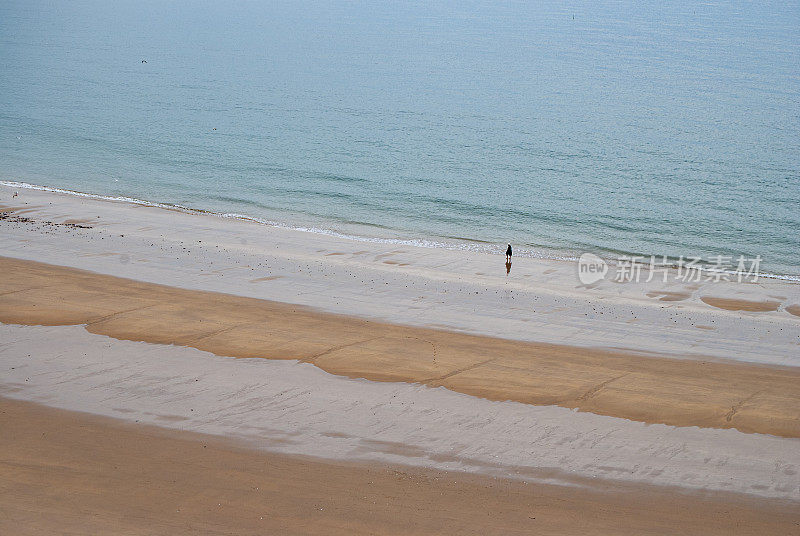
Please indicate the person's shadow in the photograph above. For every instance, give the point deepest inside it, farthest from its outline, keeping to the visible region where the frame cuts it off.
(508, 267)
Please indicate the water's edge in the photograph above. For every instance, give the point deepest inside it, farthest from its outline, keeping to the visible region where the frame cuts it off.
(460, 245)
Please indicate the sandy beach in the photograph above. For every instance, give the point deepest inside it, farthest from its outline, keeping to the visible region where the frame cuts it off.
(470, 399)
(705, 393)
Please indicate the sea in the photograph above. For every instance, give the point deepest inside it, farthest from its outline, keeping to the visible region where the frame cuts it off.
(617, 128)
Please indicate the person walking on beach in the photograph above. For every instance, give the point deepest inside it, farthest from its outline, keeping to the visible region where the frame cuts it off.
(508, 253)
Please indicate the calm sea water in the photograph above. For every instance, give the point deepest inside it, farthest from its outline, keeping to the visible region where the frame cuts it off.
(643, 127)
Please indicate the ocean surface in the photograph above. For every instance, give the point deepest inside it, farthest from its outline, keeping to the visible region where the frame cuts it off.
(648, 128)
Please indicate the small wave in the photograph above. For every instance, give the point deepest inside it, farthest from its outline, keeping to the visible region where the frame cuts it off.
(468, 245)
(15, 184)
(464, 244)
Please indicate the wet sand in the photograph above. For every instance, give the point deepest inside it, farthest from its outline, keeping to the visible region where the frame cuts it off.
(743, 305)
(73, 473)
(650, 389)
(296, 408)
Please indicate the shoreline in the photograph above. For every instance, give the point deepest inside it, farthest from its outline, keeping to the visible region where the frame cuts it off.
(459, 244)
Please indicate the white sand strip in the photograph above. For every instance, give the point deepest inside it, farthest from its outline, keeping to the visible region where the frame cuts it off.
(541, 300)
(296, 408)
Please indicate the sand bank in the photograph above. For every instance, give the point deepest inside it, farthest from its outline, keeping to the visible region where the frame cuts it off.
(748, 397)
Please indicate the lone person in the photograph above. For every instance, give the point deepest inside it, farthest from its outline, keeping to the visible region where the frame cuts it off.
(508, 253)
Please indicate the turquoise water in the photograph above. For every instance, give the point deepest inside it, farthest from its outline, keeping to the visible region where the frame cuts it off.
(561, 127)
